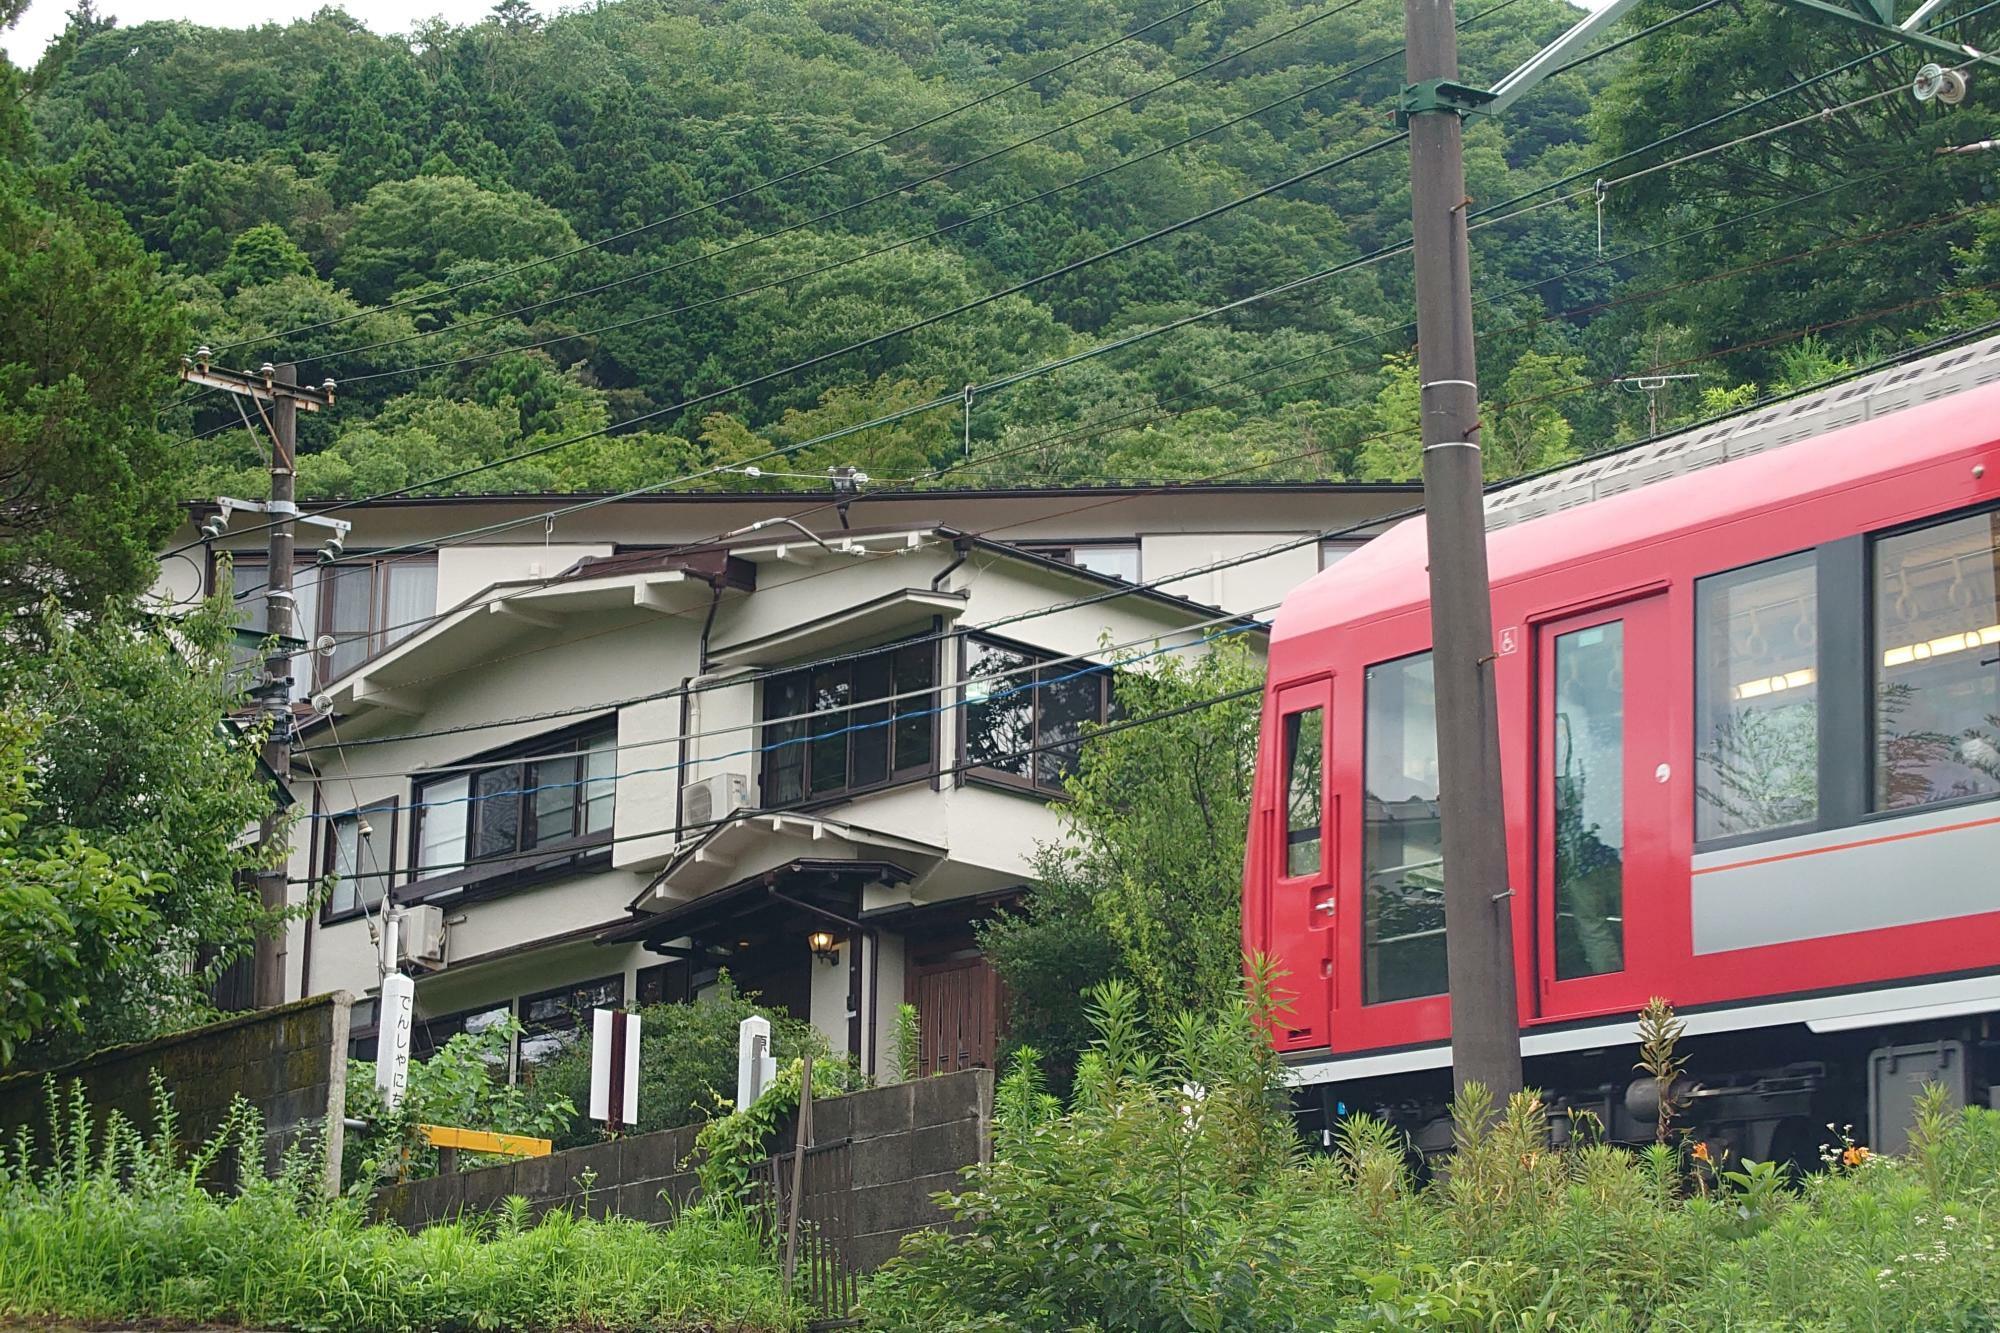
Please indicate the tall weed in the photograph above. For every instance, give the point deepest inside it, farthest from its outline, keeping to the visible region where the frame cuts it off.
(120, 1227)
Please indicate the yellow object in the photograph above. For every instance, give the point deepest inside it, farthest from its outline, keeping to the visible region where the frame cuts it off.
(478, 1140)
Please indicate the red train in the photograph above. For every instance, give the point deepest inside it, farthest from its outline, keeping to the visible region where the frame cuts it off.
(1749, 689)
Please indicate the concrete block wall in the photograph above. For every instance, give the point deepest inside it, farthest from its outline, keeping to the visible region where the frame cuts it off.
(906, 1142)
(289, 1062)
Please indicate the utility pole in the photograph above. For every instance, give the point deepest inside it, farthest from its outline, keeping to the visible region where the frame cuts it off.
(1478, 904)
(279, 623)
(276, 388)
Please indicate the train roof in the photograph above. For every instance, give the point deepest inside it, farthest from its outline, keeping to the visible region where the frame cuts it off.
(1864, 429)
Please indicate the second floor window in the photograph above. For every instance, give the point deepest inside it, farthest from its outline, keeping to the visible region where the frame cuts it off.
(851, 725)
(358, 856)
(1025, 714)
(560, 791)
(366, 608)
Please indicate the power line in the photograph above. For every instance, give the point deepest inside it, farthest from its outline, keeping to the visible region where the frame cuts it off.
(1590, 172)
(1034, 670)
(1001, 382)
(904, 330)
(1099, 428)
(942, 771)
(1213, 566)
(1235, 622)
(746, 191)
(1110, 728)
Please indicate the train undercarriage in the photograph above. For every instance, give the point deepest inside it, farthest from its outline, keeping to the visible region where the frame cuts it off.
(1778, 1093)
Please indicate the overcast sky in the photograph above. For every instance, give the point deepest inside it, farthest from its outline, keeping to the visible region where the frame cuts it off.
(45, 18)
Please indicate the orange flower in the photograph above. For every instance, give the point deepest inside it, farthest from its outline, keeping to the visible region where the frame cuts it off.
(1855, 1155)
(1701, 1152)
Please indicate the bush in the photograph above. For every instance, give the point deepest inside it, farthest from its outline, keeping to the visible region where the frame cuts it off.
(1164, 1197)
(455, 1087)
(123, 1230)
(1142, 1206)
(687, 1064)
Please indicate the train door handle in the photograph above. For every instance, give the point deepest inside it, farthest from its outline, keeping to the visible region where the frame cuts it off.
(1329, 907)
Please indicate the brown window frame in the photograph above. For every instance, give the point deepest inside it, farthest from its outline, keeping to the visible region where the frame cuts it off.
(1064, 665)
(328, 862)
(847, 724)
(527, 858)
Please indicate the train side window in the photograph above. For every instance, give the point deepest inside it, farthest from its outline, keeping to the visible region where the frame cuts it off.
(1304, 794)
(1937, 664)
(1402, 851)
(1757, 698)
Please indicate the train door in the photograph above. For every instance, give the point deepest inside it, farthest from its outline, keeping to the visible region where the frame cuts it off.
(1306, 865)
(1602, 783)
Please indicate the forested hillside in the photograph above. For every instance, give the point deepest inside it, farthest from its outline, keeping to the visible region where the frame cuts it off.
(508, 235)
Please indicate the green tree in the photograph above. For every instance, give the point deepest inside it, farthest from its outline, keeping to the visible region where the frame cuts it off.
(437, 228)
(687, 1063)
(1396, 451)
(1147, 882)
(128, 738)
(69, 912)
(260, 255)
(89, 483)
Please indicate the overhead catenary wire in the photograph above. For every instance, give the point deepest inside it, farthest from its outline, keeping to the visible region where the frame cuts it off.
(1001, 382)
(745, 192)
(1148, 415)
(1293, 543)
(1603, 185)
(1598, 168)
(430, 545)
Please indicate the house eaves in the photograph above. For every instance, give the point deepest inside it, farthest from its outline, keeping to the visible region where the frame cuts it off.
(501, 612)
(726, 853)
(1108, 582)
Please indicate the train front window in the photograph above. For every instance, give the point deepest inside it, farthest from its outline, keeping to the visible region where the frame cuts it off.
(1402, 852)
(1937, 663)
(1757, 698)
(1304, 742)
(1590, 801)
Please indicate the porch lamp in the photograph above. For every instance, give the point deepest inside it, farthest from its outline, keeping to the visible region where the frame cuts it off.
(824, 947)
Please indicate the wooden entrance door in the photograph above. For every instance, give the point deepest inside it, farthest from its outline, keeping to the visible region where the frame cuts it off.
(958, 1011)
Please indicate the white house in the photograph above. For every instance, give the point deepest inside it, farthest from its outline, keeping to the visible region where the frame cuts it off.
(811, 740)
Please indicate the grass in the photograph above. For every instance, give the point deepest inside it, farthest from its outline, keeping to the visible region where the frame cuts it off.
(121, 1227)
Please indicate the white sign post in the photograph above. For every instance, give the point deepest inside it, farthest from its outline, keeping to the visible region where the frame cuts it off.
(398, 1011)
(756, 1067)
(614, 1068)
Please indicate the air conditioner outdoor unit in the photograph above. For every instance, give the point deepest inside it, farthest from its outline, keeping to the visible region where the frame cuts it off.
(420, 936)
(715, 797)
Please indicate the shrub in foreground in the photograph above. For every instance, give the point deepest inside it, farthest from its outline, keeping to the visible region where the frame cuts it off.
(1162, 1197)
(687, 1064)
(123, 1229)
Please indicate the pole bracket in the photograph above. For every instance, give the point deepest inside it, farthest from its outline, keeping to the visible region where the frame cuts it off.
(1460, 99)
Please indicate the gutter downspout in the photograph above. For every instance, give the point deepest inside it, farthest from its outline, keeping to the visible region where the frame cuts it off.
(874, 967)
(963, 547)
(687, 705)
